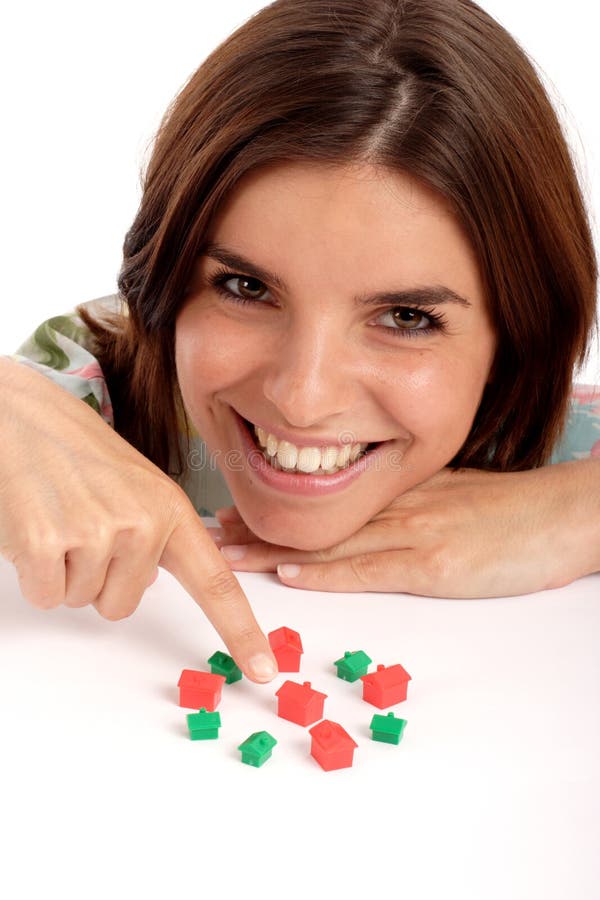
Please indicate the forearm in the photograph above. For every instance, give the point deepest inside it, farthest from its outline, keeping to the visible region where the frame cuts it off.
(575, 491)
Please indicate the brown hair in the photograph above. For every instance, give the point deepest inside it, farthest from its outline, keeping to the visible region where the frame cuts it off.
(434, 88)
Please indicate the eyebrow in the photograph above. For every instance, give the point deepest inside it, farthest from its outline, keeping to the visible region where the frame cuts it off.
(432, 295)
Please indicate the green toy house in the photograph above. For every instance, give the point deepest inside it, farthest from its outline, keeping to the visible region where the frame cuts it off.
(256, 749)
(353, 665)
(203, 725)
(388, 728)
(222, 664)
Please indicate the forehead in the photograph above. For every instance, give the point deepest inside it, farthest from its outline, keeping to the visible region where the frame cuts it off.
(352, 219)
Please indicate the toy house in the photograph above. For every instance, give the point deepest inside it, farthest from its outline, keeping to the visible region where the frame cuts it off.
(387, 729)
(286, 645)
(385, 687)
(200, 689)
(257, 748)
(353, 665)
(222, 664)
(331, 746)
(300, 703)
(204, 725)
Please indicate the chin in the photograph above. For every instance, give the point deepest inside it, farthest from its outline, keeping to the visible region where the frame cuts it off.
(298, 532)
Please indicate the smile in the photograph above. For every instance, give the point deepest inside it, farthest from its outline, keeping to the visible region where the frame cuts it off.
(318, 481)
(285, 456)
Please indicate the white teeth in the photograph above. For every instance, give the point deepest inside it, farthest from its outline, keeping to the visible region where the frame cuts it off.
(272, 443)
(322, 460)
(329, 458)
(343, 456)
(287, 455)
(309, 459)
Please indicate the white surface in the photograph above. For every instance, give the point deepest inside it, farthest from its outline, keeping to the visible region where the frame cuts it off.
(493, 792)
(84, 87)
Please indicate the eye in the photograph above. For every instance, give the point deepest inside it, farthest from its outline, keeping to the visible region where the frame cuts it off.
(250, 289)
(412, 317)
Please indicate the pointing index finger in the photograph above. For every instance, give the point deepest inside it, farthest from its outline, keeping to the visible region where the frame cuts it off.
(191, 556)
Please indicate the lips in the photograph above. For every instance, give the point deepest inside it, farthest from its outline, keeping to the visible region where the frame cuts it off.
(300, 483)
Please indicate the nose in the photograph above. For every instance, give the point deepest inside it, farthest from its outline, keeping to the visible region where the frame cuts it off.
(308, 376)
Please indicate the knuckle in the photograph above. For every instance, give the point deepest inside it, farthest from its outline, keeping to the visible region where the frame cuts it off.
(174, 499)
(246, 636)
(439, 564)
(36, 541)
(364, 567)
(224, 585)
(328, 554)
(144, 526)
(419, 521)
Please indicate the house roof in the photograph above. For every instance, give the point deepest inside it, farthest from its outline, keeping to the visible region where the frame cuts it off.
(298, 693)
(354, 659)
(223, 660)
(387, 676)
(259, 742)
(203, 720)
(206, 681)
(285, 637)
(387, 724)
(331, 736)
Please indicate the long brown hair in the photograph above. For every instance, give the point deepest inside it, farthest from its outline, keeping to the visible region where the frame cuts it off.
(433, 88)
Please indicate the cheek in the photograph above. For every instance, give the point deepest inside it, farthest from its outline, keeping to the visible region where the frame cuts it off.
(436, 398)
(209, 356)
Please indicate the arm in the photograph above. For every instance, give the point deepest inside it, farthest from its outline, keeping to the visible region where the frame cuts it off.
(87, 519)
(467, 533)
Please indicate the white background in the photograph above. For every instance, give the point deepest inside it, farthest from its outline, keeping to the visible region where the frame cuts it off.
(492, 794)
(84, 87)
(495, 789)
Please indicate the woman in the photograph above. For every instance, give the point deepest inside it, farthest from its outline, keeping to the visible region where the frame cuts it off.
(362, 271)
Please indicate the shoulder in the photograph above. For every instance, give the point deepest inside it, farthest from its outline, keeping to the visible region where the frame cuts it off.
(581, 435)
(61, 348)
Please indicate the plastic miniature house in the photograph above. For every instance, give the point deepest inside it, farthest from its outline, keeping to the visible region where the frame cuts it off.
(257, 748)
(300, 703)
(385, 687)
(353, 665)
(204, 725)
(331, 746)
(199, 690)
(387, 729)
(222, 664)
(286, 645)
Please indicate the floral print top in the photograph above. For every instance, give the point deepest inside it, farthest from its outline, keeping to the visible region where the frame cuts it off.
(61, 349)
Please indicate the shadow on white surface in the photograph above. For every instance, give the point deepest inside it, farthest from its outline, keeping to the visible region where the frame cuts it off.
(492, 793)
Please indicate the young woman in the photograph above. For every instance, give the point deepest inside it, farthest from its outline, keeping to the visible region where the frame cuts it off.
(351, 305)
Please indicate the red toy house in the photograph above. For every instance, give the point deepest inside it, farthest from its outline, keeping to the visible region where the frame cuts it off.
(299, 703)
(287, 649)
(331, 746)
(386, 686)
(200, 689)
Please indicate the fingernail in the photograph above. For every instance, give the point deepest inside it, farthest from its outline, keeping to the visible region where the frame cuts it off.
(288, 570)
(215, 533)
(234, 551)
(262, 666)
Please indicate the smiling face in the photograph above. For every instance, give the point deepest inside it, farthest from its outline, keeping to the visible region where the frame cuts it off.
(316, 360)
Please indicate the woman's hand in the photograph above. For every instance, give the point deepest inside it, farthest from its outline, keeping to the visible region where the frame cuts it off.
(86, 519)
(465, 533)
